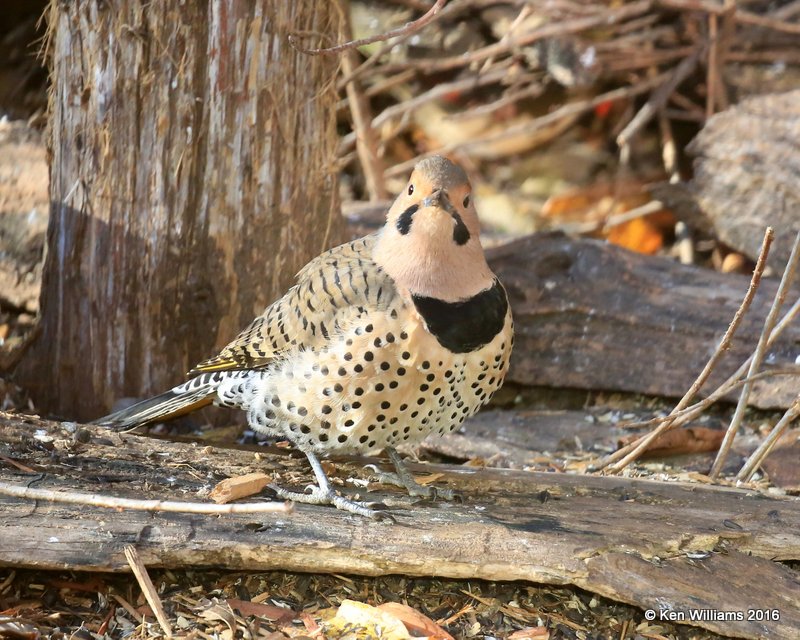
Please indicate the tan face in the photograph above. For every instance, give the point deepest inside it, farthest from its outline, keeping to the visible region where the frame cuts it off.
(430, 244)
(436, 206)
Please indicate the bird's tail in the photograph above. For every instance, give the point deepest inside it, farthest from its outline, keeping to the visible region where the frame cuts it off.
(189, 396)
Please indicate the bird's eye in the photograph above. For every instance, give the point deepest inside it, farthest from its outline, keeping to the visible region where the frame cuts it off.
(466, 201)
(411, 189)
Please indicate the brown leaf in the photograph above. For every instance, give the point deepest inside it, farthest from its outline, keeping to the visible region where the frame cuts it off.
(247, 608)
(239, 487)
(416, 623)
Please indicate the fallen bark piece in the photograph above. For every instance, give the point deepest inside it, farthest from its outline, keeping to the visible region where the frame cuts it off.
(680, 441)
(239, 487)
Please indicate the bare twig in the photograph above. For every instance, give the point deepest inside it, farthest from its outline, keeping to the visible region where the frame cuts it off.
(741, 16)
(510, 97)
(526, 128)
(758, 356)
(110, 502)
(636, 449)
(677, 419)
(402, 109)
(603, 18)
(366, 140)
(659, 97)
(711, 67)
(757, 457)
(406, 29)
(647, 209)
(150, 593)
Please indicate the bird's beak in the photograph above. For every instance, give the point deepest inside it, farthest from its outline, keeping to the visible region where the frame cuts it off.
(440, 200)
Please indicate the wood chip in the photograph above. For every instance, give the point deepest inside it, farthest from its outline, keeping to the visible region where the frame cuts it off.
(239, 487)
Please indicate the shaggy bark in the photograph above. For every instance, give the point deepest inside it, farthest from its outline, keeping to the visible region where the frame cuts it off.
(191, 178)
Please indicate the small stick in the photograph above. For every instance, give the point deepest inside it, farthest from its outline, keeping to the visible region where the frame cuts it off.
(525, 128)
(711, 70)
(366, 140)
(150, 593)
(110, 502)
(406, 29)
(604, 19)
(758, 356)
(659, 97)
(614, 221)
(692, 410)
(757, 457)
(403, 109)
(682, 417)
(640, 446)
(742, 16)
(128, 607)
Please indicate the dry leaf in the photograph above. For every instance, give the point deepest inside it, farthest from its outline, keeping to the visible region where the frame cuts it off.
(239, 487)
(248, 608)
(370, 621)
(217, 610)
(415, 622)
(643, 235)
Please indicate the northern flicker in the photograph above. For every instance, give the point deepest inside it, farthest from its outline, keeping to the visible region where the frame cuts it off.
(382, 341)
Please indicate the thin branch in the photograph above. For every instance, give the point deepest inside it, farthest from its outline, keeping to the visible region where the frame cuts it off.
(606, 224)
(741, 16)
(526, 128)
(659, 97)
(758, 356)
(366, 139)
(110, 502)
(604, 19)
(757, 457)
(146, 584)
(403, 109)
(680, 418)
(405, 30)
(640, 446)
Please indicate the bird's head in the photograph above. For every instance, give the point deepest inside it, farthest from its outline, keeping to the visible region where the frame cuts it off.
(430, 244)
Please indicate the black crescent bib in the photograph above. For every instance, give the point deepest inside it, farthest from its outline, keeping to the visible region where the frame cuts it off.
(465, 326)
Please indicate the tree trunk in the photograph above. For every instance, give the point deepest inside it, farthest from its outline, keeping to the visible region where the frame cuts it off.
(191, 178)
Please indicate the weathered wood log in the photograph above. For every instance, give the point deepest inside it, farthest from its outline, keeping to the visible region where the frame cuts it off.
(666, 546)
(593, 316)
(191, 179)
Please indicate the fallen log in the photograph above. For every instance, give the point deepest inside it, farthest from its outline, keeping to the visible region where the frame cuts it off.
(670, 547)
(590, 315)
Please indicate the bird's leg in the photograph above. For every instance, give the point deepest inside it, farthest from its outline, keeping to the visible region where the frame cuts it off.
(323, 493)
(403, 478)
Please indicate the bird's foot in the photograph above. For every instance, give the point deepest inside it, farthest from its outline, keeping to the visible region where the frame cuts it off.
(320, 496)
(402, 478)
(407, 482)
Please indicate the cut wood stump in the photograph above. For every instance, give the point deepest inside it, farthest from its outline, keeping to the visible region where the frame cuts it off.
(670, 547)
